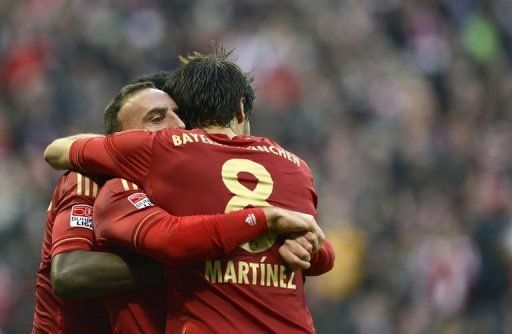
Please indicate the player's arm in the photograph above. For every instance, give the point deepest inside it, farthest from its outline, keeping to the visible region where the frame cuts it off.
(126, 218)
(124, 154)
(76, 269)
(81, 273)
(57, 153)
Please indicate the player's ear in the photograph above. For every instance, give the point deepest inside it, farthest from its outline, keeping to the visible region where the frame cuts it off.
(240, 113)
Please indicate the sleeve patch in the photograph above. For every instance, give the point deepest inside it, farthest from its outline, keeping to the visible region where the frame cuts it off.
(81, 216)
(140, 200)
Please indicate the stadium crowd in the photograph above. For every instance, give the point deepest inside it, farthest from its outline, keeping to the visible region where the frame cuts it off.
(401, 108)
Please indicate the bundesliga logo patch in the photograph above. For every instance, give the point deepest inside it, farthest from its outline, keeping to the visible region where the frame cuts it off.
(81, 216)
(140, 200)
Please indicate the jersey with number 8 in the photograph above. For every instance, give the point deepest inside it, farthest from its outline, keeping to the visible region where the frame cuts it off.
(193, 172)
(244, 197)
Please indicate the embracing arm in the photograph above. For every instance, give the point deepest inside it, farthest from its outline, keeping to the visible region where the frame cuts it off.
(57, 153)
(77, 270)
(81, 273)
(125, 154)
(152, 231)
(183, 240)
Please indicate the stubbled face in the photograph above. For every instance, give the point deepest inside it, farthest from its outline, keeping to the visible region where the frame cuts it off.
(149, 109)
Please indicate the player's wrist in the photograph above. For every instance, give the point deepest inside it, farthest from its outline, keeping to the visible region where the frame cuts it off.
(273, 215)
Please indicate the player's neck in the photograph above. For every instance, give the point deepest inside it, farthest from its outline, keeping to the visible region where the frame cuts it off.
(221, 130)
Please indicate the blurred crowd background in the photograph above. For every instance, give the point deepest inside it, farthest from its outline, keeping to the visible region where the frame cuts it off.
(402, 109)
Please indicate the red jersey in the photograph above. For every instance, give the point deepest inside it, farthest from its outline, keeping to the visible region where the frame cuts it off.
(68, 227)
(124, 218)
(192, 172)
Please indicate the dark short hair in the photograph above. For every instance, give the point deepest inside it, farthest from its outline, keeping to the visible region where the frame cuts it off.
(208, 89)
(110, 121)
(159, 79)
(249, 97)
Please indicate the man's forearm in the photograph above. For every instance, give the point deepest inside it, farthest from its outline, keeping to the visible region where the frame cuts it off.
(57, 153)
(183, 240)
(82, 273)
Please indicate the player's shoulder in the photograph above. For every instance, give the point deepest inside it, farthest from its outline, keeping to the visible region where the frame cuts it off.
(267, 141)
(78, 184)
(118, 191)
(73, 189)
(277, 149)
(118, 185)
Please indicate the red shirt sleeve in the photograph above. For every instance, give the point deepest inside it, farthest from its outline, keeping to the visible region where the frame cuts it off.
(72, 225)
(125, 154)
(126, 219)
(322, 261)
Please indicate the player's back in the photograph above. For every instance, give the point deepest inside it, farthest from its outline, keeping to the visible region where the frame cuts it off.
(250, 290)
(68, 227)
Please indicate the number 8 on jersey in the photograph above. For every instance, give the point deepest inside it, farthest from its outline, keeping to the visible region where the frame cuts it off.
(244, 197)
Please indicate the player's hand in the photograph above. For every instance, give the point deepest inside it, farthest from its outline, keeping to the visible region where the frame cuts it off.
(296, 253)
(294, 223)
(309, 241)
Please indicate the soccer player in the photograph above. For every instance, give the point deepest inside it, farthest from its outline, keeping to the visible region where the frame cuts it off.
(77, 271)
(216, 168)
(192, 239)
(68, 267)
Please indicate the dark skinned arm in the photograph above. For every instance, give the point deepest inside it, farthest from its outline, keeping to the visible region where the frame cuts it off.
(81, 273)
